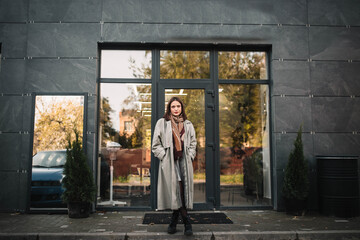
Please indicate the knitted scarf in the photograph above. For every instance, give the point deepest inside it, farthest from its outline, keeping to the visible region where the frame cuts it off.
(177, 124)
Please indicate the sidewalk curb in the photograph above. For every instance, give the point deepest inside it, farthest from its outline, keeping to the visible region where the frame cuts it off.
(232, 235)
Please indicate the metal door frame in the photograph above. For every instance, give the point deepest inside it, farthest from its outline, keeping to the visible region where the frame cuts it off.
(209, 134)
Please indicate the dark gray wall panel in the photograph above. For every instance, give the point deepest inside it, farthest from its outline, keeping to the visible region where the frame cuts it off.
(171, 13)
(127, 11)
(23, 191)
(200, 11)
(284, 144)
(12, 75)
(90, 150)
(291, 42)
(336, 144)
(91, 117)
(27, 113)
(177, 33)
(243, 34)
(263, 12)
(340, 114)
(13, 10)
(187, 33)
(334, 12)
(13, 39)
(10, 151)
(279, 178)
(288, 42)
(335, 78)
(151, 11)
(313, 198)
(63, 40)
(210, 11)
(291, 112)
(65, 10)
(25, 154)
(334, 43)
(64, 75)
(291, 77)
(134, 32)
(9, 196)
(11, 114)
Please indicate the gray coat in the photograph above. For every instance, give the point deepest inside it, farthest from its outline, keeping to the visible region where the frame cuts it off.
(168, 194)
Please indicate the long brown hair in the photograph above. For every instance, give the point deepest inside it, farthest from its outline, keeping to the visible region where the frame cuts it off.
(167, 114)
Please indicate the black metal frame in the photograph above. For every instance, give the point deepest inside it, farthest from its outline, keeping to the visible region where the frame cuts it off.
(211, 87)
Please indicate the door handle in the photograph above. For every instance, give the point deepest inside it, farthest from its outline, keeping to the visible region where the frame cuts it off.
(211, 145)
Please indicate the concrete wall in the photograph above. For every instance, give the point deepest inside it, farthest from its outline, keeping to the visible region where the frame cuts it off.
(51, 46)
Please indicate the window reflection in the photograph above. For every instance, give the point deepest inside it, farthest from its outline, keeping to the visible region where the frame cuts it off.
(242, 65)
(125, 119)
(125, 64)
(184, 64)
(244, 145)
(56, 117)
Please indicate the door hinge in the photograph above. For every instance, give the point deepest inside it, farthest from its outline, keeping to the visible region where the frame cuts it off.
(211, 105)
(211, 92)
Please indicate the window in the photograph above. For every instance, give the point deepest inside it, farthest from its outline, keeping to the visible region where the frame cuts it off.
(244, 134)
(56, 118)
(127, 81)
(244, 144)
(184, 64)
(125, 64)
(242, 65)
(125, 119)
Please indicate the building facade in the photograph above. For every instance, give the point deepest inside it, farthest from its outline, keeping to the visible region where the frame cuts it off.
(306, 57)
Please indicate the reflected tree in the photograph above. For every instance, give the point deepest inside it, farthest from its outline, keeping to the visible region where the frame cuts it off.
(108, 133)
(240, 104)
(54, 120)
(184, 65)
(142, 70)
(242, 65)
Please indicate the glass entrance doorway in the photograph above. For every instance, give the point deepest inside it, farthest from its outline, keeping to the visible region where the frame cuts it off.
(196, 101)
(194, 104)
(226, 95)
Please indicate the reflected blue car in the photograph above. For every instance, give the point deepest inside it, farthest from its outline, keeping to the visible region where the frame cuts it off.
(46, 181)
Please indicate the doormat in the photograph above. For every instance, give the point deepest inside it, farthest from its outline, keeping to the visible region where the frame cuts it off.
(195, 218)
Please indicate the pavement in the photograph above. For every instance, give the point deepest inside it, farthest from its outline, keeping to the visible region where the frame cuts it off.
(247, 224)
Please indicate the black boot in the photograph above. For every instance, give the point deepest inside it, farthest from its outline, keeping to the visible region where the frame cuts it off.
(174, 221)
(187, 225)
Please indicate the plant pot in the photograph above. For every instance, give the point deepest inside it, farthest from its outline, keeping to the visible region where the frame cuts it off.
(78, 209)
(295, 206)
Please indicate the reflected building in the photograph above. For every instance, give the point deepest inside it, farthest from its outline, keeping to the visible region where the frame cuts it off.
(127, 122)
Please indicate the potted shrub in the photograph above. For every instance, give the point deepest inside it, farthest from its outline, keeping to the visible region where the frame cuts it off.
(296, 180)
(78, 181)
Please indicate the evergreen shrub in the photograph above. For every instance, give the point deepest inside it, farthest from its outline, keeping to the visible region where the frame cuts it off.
(78, 180)
(296, 180)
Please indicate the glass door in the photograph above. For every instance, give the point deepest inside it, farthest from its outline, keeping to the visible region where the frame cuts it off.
(199, 108)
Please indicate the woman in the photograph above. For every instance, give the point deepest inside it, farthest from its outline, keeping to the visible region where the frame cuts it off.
(174, 144)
